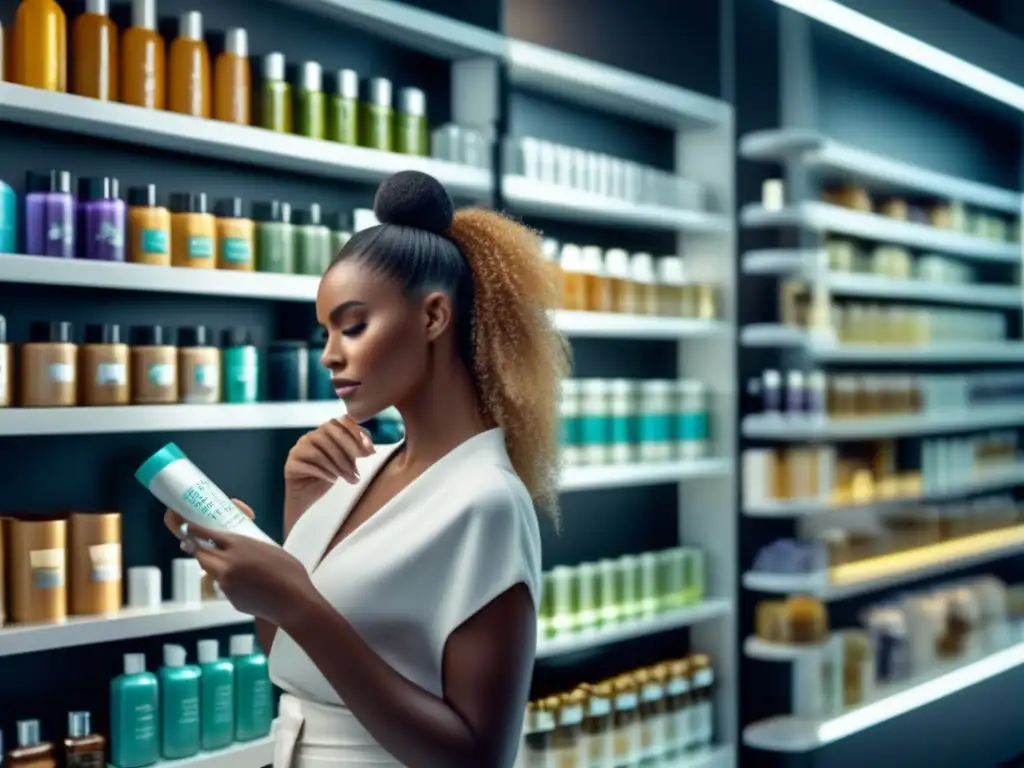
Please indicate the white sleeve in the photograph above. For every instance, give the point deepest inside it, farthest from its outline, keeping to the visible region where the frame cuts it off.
(497, 547)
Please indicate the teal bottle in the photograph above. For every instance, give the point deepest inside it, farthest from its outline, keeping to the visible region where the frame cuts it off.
(216, 696)
(321, 383)
(240, 367)
(134, 715)
(179, 705)
(8, 219)
(254, 706)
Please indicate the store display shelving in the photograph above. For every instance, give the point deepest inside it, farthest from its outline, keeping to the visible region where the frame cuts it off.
(259, 752)
(647, 473)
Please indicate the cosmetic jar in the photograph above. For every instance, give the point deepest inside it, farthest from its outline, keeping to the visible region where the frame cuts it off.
(49, 365)
(94, 563)
(198, 366)
(38, 570)
(103, 367)
(145, 587)
(154, 364)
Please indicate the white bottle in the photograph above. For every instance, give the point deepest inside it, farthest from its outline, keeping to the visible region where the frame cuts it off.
(181, 486)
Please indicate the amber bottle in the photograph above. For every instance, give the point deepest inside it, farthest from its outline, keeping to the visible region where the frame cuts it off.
(40, 46)
(94, 52)
(188, 76)
(143, 59)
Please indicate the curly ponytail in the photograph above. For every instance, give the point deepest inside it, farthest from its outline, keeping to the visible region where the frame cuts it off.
(519, 356)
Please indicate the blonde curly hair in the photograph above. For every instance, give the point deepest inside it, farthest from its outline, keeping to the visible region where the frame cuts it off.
(519, 356)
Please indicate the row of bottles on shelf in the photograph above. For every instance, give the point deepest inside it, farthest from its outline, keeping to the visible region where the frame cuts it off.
(911, 636)
(862, 473)
(644, 717)
(897, 263)
(269, 236)
(171, 715)
(612, 591)
(138, 68)
(613, 280)
(951, 215)
(620, 421)
(894, 532)
(155, 366)
(599, 174)
(852, 395)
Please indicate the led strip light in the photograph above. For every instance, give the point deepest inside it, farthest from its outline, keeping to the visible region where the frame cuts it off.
(928, 56)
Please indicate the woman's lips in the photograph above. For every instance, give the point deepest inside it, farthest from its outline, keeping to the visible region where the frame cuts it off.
(345, 388)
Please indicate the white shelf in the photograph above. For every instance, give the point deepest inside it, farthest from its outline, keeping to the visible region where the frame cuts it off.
(791, 734)
(805, 429)
(610, 89)
(652, 473)
(246, 754)
(627, 630)
(225, 141)
(783, 261)
(717, 757)
(866, 576)
(987, 480)
(762, 650)
(823, 348)
(825, 217)
(842, 162)
(612, 326)
(532, 197)
(130, 623)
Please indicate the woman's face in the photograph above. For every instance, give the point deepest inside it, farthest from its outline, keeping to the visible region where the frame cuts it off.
(376, 344)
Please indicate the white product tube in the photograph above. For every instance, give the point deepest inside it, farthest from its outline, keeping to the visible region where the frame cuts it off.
(182, 486)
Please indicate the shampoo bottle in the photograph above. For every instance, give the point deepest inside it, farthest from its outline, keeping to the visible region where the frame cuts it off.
(40, 46)
(253, 692)
(217, 696)
(94, 52)
(189, 76)
(134, 715)
(232, 86)
(143, 59)
(179, 705)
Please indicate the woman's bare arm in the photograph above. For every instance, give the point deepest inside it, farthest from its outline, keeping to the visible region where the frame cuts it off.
(488, 662)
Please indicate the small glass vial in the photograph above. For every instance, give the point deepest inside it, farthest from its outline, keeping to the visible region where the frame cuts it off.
(649, 726)
(616, 270)
(625, 722)
(574, 276)
(568, 733)
(103, 367)
(198, 366)
(49, 367)
(82, 747)
(702, 680)
(598, 743)
(31, 751)
(571, 427)
(677, 723)
(641, 268)
(595, 431)
(154, 364)
(598, 286)
(377, 111)
(622, 398)
(657, 412)
(540, 724)
(411, 132)
(343, 108)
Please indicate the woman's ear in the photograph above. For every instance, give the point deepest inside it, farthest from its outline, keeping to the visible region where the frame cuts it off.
(437, 314)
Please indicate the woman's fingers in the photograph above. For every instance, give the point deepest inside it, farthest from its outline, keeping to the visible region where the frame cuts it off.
(245, 508)
(338, 447)
(303, 468)
(173, 522)
(360, 434)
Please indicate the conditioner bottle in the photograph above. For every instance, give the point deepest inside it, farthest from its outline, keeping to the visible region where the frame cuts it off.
(134, 715)
(232, 86)
(190, 69)
(40, 46)
(179, 705)
(94, 52)
(253, 692)
(143, 59)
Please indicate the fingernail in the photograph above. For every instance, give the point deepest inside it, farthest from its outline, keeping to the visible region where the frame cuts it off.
(368, 443)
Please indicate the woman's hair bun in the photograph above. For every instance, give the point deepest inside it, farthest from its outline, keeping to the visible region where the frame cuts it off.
(414, 199)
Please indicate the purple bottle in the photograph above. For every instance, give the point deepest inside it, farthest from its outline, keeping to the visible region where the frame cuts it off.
(101, 220)
(49, 215)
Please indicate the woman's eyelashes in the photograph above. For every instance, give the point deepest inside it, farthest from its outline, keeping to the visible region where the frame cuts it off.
(354, 330)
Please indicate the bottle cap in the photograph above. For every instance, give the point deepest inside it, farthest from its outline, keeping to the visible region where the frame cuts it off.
(152, 336)
(378, 91)
(100, 188)
(231, 208)
(188, 202)
(207, 651)
(242, 645)
(273, 211)
(134, 663)
(236, 41)
(195, 336)
(346, 83)
(98, 7)
(236, 337)
(311, 77)
(309, 217)
(79, 724)
(174, 656)
(50, 333)
(144, 14)
(143, 197)
(340, 221)
(49, 181)
(28, 733)
(190, 25)
(145, 589)
(105, 333)
(273, 66)
(412, 101)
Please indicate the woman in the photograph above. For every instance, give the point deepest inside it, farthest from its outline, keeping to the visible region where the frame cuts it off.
(401, 611)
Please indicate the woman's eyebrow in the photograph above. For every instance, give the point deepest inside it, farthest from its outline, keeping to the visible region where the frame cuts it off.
(342, 308)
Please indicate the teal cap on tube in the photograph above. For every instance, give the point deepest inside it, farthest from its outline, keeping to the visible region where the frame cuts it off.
(156, 463)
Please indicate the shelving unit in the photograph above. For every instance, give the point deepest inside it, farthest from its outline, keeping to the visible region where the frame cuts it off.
(244, 753)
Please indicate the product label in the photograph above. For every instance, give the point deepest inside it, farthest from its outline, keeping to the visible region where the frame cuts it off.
(205, 375)
(655, 428)
(105, 560)
(57, 232)
(85, 759)
(570, 430)
(223, 709)
(110, 234)
(111, 374)
(48, 567)
(161, 374)
(200, 247)
(236, 250)
(621, 429)
(211, 504)
(693, 426)
(143, 718)
(594, 430)
(188, 711)
(155, 242)
(61, 373)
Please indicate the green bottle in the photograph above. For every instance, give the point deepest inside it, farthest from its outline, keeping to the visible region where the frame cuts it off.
(312, 242)
(216, 696)
(253, 692)
(180, 730)
(411, 132)
(134, 715)
(240, 367)
(377, 114)
(275, 96)
(275, 237)
(311, 104)
(341, 231)
(343, 108)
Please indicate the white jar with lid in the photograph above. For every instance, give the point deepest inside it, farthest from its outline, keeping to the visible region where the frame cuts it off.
(655, 423)
(622, 401)
(595, 421)
(569, 414)
(692, 420)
